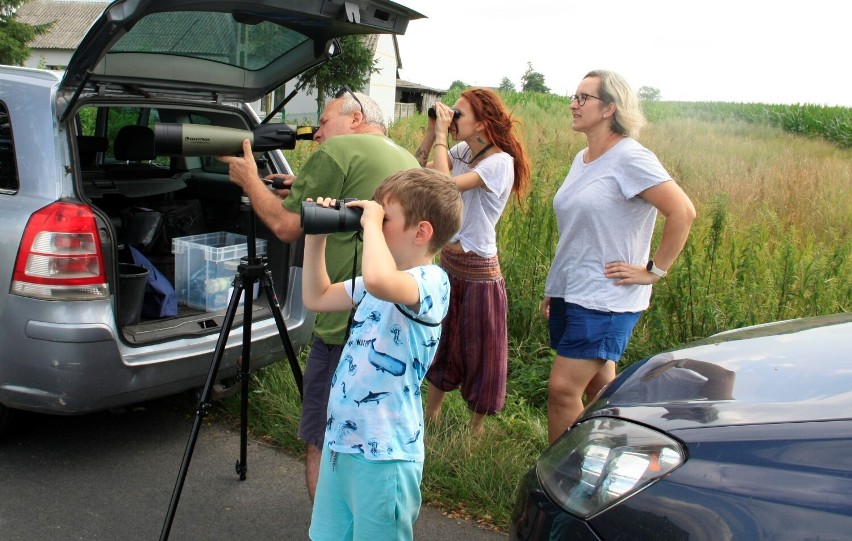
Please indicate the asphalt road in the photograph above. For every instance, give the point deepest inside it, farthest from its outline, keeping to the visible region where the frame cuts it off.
(111, 476)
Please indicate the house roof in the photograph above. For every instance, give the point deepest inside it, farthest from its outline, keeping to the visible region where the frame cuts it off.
(72, 18)
(408, 85)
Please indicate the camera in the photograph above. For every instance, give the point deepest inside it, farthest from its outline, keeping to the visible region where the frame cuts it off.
(432, 114)
(317, 219)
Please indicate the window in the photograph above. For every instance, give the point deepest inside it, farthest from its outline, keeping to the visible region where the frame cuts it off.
(112, 119)
(8, 167)
(209, 36)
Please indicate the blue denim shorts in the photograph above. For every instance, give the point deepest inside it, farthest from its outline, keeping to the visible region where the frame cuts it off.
(581, 333)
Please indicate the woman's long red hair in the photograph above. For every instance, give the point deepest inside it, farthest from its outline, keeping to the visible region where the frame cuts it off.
(489, 109)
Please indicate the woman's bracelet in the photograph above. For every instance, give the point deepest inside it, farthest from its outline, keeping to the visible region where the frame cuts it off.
(440, 145)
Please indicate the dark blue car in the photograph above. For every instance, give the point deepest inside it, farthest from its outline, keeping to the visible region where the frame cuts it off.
(746, 435)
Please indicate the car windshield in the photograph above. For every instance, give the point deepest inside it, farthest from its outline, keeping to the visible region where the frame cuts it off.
(216, 37)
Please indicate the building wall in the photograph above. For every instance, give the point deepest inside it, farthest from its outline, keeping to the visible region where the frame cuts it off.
(51, 57)
(382, 86)
(300, 110)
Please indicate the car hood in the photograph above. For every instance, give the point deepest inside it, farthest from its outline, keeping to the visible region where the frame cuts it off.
(219, 50)
(791, 371)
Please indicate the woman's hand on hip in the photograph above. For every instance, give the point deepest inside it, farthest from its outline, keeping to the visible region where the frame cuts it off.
(625, 274)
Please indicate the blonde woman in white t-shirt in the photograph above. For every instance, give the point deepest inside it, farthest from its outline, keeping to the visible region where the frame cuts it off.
(602, 272)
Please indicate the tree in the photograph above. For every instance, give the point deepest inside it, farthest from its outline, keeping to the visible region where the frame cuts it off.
(461, 85)
(506, 85)
(649, 93)
(15, 35)
(532, 81)
(352, 67)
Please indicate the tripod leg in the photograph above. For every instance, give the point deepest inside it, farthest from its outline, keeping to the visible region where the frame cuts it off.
(267, 287)
(203, 407)
(244, 371)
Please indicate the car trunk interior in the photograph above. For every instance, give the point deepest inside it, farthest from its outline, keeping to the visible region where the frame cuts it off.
(149, 201)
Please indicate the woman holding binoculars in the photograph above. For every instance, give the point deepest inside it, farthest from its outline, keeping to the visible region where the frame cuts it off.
(488, 164)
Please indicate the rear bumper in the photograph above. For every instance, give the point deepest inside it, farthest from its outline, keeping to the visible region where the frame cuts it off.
(73, 368)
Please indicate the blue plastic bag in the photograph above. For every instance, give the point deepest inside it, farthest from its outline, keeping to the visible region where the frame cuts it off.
(160, 298)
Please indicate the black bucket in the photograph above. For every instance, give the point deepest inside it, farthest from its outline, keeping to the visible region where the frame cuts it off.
(131, 283)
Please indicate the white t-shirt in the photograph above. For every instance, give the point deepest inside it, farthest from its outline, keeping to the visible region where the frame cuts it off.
(601, 219)
(482, 208)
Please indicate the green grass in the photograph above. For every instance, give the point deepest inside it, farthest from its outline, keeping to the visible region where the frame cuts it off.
(772, 241)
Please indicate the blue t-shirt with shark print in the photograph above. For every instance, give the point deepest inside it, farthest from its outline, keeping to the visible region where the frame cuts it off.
(374, 407)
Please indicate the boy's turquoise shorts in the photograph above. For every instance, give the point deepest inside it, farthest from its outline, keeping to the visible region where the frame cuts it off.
(358, 498)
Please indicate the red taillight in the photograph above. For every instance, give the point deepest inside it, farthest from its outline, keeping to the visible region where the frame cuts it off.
(60, 255)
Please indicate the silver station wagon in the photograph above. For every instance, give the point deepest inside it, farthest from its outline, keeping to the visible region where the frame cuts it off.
(84, 192)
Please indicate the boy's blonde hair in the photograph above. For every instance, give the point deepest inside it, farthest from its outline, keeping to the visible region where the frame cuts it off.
(425, 195)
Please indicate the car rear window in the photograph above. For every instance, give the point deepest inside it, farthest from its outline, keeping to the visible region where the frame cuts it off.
(207, 36)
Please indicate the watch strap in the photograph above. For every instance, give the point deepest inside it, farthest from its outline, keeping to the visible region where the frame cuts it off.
(654, 269)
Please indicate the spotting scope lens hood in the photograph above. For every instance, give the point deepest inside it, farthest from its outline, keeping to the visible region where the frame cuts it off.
(201, 140)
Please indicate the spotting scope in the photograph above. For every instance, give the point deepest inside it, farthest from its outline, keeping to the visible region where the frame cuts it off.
(201, 140)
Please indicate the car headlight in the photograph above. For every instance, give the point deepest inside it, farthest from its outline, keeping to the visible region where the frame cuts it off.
(602, 460)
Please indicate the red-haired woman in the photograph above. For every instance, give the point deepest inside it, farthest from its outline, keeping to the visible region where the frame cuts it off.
(489, 164)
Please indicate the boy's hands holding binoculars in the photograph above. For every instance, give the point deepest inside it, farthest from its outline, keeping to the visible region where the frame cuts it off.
(370, 211)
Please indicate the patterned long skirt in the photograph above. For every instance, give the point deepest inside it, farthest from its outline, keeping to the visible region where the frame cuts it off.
(473, 352)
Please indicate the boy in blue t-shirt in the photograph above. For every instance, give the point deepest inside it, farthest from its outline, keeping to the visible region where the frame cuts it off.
(372, 463)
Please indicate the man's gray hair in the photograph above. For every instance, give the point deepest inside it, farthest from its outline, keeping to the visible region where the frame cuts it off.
(373, 114)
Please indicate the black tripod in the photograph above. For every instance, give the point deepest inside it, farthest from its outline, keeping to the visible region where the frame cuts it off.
(252, 269)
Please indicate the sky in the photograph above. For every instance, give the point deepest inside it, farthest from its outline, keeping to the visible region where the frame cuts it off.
(747, 51)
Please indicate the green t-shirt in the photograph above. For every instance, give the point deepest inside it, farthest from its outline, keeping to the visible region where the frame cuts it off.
(341, 167)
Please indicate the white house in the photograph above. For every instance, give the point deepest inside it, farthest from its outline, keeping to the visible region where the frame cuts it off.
(54, 49)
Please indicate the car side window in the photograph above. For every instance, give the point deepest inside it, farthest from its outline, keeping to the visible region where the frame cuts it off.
(108, 121)
(8, 166)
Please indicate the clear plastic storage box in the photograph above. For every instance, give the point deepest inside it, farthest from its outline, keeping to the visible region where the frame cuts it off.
(205, 267)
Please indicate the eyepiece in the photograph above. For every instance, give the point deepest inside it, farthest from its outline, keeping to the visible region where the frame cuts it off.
(306, 132)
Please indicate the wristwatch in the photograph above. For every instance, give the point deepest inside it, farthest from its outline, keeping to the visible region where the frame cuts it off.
(653, 269)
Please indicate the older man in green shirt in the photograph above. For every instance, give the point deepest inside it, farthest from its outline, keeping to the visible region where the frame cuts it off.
(354, 156)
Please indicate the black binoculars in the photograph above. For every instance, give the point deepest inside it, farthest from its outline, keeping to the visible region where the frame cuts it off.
(319, 220)
(432, 114)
